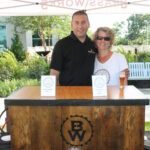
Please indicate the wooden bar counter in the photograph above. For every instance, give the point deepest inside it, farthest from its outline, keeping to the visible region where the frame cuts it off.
(75, 120)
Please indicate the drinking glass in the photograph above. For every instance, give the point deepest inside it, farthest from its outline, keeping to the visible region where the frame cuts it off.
(122, 78)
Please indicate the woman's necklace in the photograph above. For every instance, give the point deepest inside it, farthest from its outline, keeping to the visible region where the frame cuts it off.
(103, 59)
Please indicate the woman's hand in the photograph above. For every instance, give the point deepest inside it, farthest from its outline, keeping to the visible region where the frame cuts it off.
(127, 73)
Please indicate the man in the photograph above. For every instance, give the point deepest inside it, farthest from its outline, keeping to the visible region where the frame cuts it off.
(73, 56)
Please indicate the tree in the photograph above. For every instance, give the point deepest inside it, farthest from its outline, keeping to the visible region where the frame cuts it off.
(136, 32)
(137, 28)
(17, 47)
(44, 25)
(118, 28)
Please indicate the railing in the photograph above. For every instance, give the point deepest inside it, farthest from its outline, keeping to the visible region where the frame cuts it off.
(139, 71)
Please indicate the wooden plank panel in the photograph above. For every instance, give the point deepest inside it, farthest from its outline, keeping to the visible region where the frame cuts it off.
(114, 127)
(19, 125)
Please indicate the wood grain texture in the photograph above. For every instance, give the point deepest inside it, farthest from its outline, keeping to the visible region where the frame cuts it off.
(115, 127)
(54, 127)
(77, 92)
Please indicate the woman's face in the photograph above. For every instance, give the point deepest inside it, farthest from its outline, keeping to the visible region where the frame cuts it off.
(103, 41)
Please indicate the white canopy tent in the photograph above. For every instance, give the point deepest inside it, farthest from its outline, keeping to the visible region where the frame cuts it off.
(62, 7)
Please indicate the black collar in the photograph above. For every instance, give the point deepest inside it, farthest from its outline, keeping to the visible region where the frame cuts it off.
(72, 35)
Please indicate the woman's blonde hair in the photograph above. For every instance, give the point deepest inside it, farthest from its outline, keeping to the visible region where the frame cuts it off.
(108, 31)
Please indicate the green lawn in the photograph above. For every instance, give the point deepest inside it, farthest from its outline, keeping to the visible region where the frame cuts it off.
(147, 126)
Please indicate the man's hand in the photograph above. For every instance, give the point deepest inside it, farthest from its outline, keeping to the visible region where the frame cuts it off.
(55, 73)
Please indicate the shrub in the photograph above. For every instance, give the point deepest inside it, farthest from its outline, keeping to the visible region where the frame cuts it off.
(17, 48)
(37, 66)
(10, 68)
(144, 56)
(7, 87)
(139, 57)
(8, 64)
(121, 41)
(20, 71)
(129, 56)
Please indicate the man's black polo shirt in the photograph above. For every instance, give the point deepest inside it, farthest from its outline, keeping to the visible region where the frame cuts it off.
(74, 60)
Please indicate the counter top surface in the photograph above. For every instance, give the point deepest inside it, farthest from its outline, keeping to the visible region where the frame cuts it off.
(77, 96)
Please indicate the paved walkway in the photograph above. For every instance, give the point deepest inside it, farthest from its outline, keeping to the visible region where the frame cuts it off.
(147, 142)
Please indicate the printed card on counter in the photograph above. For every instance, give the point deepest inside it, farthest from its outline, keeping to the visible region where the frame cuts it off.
(48, 85)
(99, 85)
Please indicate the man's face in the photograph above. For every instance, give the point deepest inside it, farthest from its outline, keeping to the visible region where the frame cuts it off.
(80, 25)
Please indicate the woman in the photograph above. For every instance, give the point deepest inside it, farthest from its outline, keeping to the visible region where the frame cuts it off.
(107, 62)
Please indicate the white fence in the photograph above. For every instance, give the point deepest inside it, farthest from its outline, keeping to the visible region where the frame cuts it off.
(139, 71)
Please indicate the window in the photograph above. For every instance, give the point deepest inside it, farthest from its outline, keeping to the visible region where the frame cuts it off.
(37, 41)
(2, 37)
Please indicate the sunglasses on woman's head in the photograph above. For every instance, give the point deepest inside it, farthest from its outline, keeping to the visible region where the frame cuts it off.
(103, 38)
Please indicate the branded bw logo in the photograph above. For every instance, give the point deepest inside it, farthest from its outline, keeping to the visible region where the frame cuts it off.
(76, 130)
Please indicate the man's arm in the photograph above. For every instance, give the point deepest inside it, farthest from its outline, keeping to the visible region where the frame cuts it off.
(55, 73)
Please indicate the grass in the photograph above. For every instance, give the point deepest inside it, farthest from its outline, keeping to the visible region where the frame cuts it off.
(147, 126)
